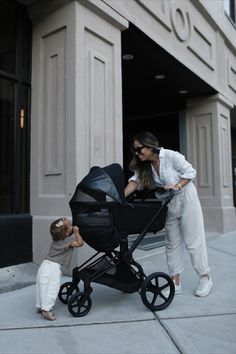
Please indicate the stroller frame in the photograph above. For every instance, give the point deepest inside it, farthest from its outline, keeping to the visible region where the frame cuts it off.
(116, 269)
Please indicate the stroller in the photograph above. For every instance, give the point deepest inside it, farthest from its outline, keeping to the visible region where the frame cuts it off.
(106, 219)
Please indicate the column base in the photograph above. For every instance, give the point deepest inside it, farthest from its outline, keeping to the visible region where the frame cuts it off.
(219, 219)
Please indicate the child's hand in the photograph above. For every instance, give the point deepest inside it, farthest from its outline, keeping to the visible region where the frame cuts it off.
(78, 242)
(75, 228)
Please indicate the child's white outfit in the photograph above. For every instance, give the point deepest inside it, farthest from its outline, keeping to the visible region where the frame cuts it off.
(49, 273)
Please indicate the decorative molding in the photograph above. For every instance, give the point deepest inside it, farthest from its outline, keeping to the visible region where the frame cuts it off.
(98, 91)
(224, 132)
(158, 10)
(106, 12)
(202, 125)
(202, 48)
(177, 18)
(231, 74)
(180, 21)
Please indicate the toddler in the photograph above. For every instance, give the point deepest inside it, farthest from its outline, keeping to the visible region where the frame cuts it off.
(65, 238)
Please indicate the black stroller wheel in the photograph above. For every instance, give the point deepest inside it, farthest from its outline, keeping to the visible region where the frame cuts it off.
(66, 291)
(157, 291)
(79, 304)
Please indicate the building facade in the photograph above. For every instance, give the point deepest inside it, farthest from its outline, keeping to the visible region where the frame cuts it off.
(102, 70)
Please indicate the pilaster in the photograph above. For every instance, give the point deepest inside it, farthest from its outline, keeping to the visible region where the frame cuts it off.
(209, 150)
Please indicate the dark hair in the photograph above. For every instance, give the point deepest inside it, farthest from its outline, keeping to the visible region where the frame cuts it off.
(143, 168)
(57, 230)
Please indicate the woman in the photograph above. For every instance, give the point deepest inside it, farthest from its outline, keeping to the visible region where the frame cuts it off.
(158, 167)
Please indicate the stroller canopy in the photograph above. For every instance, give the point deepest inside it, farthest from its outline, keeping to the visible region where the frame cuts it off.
(101, 182)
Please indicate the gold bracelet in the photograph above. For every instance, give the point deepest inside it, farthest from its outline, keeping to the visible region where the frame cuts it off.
(179, 185)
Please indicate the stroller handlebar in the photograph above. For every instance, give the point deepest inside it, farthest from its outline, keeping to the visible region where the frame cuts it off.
(170, 196)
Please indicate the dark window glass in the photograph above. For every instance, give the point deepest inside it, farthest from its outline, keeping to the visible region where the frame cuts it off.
(15, 48)
(229, 6)
(7, 112)
(7, 36)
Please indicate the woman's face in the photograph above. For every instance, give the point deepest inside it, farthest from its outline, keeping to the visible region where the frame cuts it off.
(143, 152)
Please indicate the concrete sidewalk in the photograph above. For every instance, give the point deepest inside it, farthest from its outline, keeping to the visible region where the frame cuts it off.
(119, 322)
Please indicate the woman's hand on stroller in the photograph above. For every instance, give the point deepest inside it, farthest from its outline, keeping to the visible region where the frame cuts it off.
(169, 187)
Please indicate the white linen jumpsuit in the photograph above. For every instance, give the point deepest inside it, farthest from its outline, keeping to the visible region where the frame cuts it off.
(184, 223)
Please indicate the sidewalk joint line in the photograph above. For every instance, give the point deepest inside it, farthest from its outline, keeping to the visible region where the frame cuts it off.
(166, 331)
(197, 316)
(223, 251)
(76, 324)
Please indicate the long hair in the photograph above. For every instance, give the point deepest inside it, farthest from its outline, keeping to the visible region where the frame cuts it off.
(143, 168)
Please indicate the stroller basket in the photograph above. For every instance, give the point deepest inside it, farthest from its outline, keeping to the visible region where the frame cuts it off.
(117, 275)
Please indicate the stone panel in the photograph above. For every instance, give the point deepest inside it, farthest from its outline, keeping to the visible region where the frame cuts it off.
(53, 107)
(99, 57)
(99, 83)
(231, 68)
(53, 51)
(203, 47)
(202, 127)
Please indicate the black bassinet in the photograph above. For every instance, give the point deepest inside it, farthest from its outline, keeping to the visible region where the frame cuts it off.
(104, 216)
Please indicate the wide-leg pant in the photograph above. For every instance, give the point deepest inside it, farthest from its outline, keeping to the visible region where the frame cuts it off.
(185, 230)
(47, 284)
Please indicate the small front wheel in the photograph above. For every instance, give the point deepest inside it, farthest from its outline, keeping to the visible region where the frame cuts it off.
(79, 304)
(66, 291)
(157, 291)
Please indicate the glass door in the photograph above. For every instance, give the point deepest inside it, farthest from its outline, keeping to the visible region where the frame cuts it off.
(7, 110)
(15, 50)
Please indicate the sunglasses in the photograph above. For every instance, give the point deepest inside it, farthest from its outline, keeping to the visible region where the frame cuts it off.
(138, 150)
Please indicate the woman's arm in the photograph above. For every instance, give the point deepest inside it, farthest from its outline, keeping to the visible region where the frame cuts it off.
(130, 188)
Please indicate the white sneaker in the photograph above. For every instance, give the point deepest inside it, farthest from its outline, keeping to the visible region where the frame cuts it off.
(205, 285)
(178, 290)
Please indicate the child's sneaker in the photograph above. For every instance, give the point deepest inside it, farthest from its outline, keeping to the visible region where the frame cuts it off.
(49, 315)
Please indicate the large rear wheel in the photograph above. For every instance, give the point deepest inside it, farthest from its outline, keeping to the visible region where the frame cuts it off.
(154, 290)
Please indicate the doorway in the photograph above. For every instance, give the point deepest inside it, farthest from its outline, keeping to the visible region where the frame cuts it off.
(15, 218)
(155, 87)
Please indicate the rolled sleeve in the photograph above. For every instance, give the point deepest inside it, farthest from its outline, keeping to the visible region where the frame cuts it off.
(184, 168)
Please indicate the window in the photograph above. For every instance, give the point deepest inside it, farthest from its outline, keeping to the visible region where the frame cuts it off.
(229, 7)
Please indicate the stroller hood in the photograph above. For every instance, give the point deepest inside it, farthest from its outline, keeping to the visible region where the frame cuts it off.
(101, 182)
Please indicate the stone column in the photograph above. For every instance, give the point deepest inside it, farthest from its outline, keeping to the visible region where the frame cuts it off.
(76, 104)
(209, 150)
